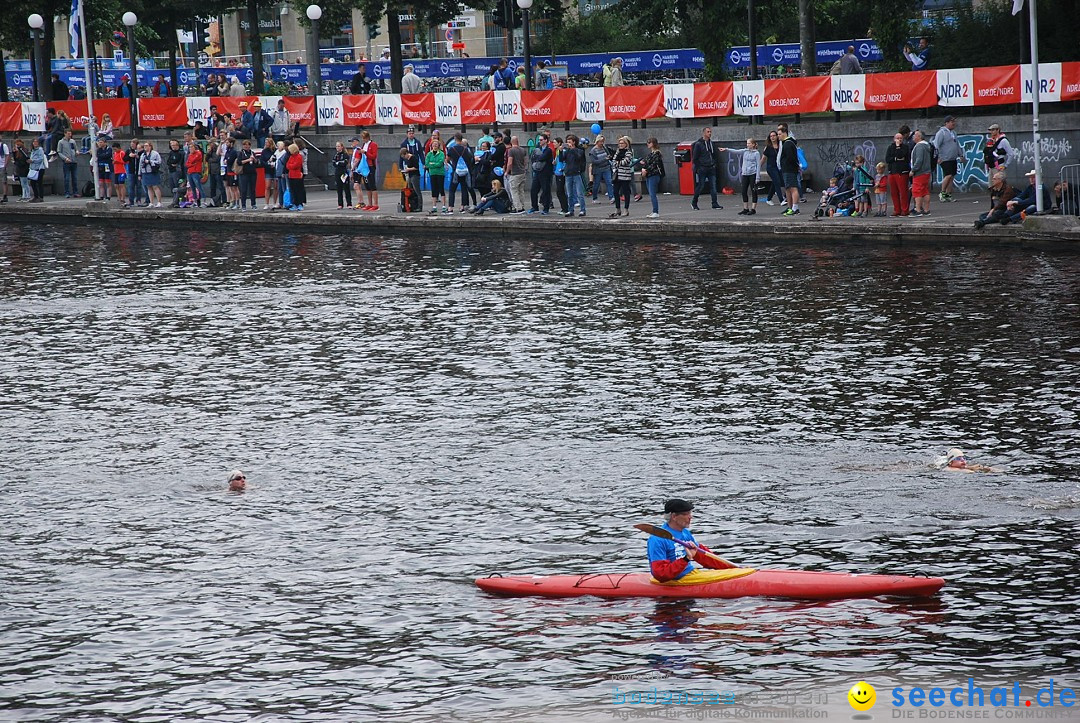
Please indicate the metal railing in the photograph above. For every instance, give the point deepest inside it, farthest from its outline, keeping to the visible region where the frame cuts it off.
(1066, 192)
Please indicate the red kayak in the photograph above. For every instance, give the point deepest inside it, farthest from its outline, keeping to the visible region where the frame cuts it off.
(795, 584)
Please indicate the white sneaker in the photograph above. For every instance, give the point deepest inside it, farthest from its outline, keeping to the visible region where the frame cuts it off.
(157, 205)
(784, 202)
(771, 202)
(653, 215)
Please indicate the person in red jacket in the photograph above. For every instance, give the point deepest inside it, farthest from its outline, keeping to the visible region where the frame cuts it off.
(370, 149)
(671, 562)
(295, 168)
(193, 167)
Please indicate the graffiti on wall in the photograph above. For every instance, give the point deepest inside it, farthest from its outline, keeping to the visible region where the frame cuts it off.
(837, 153)
(1053, 150)
(970, 169)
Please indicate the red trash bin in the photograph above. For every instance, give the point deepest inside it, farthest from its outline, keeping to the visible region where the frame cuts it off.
(686, 169)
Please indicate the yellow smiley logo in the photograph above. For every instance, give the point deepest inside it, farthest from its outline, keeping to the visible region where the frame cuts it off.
(862, 696)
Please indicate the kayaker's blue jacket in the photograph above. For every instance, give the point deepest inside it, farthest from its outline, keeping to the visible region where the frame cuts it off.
(668, 560)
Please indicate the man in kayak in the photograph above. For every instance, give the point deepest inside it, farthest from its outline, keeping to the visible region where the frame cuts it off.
(671, 562)
(956, 461)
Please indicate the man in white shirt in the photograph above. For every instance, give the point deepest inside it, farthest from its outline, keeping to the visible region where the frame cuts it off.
(410, 82)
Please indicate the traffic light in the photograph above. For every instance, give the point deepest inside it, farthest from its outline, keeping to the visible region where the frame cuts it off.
(372, 31)
(498, 14)
(500, 17)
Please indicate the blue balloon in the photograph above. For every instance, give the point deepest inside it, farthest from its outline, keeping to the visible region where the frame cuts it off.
(596, 129)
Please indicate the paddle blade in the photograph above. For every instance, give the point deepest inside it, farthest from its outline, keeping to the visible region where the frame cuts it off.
(654, 530)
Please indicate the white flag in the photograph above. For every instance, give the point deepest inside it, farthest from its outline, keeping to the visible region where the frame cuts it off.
(73, 28)
(1018, 5)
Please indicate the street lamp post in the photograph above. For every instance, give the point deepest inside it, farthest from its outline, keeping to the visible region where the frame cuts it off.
(130, 19)
(36, 22)
(314, 12)
(525, 5)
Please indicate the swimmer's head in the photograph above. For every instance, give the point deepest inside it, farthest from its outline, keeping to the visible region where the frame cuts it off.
(237, 480)
(955, 458)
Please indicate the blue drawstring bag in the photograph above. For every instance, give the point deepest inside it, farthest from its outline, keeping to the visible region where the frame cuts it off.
(286, 200)
(363, 167)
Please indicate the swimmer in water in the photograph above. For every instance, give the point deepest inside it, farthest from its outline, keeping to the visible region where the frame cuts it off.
(237, 481)
(956, 461)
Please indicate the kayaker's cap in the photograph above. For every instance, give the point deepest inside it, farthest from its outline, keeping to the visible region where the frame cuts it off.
(677, 506)
(952, 454)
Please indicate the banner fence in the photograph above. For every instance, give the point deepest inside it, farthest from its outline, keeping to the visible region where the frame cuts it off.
(964, 87)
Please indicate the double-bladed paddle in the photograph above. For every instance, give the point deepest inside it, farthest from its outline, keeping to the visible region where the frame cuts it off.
(661, 532)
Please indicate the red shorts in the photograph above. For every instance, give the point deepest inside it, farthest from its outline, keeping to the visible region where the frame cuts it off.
(920, 185)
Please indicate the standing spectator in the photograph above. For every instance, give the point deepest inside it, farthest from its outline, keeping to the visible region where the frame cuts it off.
(411, 143)
(227, 156)
(410, 171)
(948, 150)
(462, 163)
(342, 175)
(574, 162)
(653, 171)
(998, 154)
(279, 128)
(898, 159)
(514, 173)
(60, 90)
(236, 88)
(543, 77)
(68, 153)
(119, 173)
(622, 171)
(359, 85)
(150, 174)
(223, 86)
(600, 169)
(124, 89)
(370, 149)
(751, 165)
(435, 161)
(508, 76)
(771, 154)
(410, 81)
(102, 158)
(37, 170)
(268, 163)
(248, 161)
(919, 59)
(21, 158)
(215, 183)
(281, 157)
(161, 88)
(881, 188)
(247, 123)
(5, 156)
(193, 166)
(849, 64)
(789, 168)
(519, 78)
(261, 123)
(558, 175)
(615, 76)
(1000, 195)
(542, 164)
(131, 174)
(921, 156)
(295, 168)
(703, 160)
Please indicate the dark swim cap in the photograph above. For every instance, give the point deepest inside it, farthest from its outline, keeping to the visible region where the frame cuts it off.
(677, 506)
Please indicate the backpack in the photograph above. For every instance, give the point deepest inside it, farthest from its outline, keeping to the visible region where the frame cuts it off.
(835, 69)
(802, 159)
(461, 168)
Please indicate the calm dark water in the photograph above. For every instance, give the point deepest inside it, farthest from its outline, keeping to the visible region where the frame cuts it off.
(413, 414)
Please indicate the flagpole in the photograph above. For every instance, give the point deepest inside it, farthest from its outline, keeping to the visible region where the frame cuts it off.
(1032, 15)
(89, 97)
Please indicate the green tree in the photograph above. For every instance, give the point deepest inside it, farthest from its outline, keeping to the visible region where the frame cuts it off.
(891, 25)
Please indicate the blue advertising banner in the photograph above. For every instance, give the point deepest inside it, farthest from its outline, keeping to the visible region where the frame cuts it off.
(110, 78)
(790, 53)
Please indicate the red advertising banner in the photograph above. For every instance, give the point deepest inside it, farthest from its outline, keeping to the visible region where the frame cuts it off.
(161, 112)
(229, 104)
(356, 110)
(798, 95)
(548, 106)
(1070, 81)
(713, 99)
(477, 107)
(996, 85)
(418, 108)
(634, 102)
(301, 109)
(10, 117)
(119, 110)
(890, 91)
